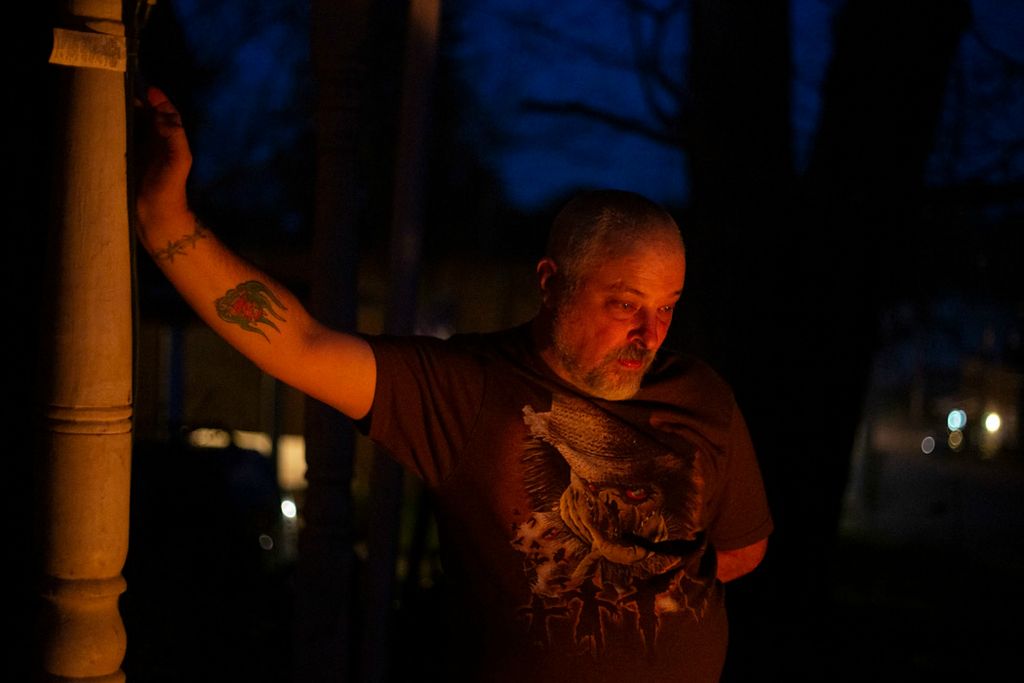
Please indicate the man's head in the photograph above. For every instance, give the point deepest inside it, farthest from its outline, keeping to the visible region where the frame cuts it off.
(613, 272)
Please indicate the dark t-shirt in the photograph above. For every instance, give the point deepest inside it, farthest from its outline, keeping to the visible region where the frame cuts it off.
(577, 534)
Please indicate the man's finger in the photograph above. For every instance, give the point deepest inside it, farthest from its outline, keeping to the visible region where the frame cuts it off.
(165, 114)
(155, 97)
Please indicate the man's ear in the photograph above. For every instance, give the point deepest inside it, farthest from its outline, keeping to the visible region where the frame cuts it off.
(547, 270)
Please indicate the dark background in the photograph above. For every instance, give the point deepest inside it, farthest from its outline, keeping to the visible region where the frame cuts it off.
(848, 178)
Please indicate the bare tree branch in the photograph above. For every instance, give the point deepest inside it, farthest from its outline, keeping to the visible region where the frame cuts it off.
(649, 62)
(663, 93)
(1013, 66)
(663, 135)
(597, 53)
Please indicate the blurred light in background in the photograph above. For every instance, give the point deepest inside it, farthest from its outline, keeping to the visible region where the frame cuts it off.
(288, 508)
(291, 462)
(956, 439)
(252, 441)
(927, 445)
(992, 439)
(209, 438)
(291, 451)
(957, 419)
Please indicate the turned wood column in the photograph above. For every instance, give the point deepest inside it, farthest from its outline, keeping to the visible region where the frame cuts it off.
(87, 393)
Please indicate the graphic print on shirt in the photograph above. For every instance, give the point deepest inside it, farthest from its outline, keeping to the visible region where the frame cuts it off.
(613, 542)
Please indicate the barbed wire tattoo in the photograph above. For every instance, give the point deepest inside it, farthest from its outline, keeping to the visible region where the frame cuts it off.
(178, 247)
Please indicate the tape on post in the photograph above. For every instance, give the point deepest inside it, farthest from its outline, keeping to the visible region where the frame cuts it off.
(89, 50)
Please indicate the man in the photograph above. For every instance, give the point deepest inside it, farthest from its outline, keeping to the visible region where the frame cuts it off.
(592, 494)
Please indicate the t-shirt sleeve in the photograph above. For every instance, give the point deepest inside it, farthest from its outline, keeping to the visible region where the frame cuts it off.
(743, 515)
(427, 398)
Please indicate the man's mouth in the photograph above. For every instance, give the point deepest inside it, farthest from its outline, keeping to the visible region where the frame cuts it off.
(633, 358)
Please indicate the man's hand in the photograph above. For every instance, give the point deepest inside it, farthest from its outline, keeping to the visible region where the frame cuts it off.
(166, 160)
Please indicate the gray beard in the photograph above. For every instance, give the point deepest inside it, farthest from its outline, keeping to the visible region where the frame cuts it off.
(604, 380)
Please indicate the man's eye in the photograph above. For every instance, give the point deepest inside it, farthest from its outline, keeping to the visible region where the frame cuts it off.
(621, 309)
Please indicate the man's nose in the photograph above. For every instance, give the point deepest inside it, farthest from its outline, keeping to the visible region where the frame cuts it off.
(647, 330)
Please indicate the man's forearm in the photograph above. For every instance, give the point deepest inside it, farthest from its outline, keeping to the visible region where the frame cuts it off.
(260, 317)
(180, 245)
(732, 564)
(249, 305)
(256, 315)
(241, 303)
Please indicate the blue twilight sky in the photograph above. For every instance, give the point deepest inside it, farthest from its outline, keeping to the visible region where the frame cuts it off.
(509, 52)
(570, 52)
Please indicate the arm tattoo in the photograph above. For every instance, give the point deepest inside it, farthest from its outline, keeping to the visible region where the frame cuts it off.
(177, 248)
(248, 305)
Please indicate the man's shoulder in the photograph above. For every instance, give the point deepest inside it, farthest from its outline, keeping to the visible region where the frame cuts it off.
(512, 339)
(676, 371)
(461, 349)
(509, 348)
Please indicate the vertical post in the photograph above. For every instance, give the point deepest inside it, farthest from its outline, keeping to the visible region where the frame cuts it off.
(87, 395)
(323, 634)
(386, 479)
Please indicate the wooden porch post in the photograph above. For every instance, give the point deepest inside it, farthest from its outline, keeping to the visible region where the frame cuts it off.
(87, 395)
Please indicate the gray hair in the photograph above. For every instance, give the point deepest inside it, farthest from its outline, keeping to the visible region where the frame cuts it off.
(597, 223)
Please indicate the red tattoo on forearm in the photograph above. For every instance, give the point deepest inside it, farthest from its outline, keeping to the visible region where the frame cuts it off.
(248, 305)
(177, 248)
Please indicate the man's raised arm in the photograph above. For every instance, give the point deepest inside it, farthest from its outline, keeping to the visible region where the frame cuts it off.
(250, 311)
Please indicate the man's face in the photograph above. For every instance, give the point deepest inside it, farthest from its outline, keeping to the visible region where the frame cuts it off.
(606, 332)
